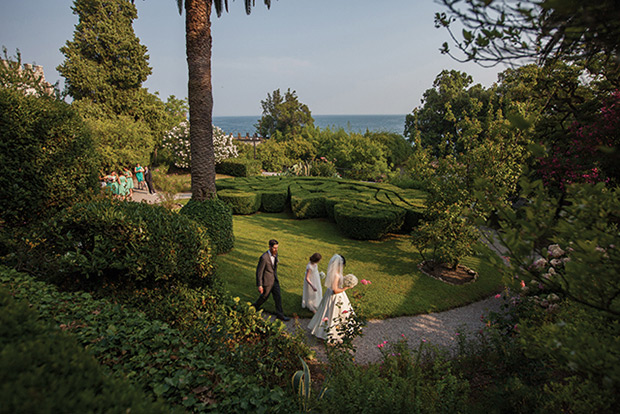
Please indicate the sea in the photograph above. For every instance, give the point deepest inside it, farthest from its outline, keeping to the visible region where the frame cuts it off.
(244, 125)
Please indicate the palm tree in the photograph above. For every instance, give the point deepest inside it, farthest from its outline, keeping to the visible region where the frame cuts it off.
(198, 48)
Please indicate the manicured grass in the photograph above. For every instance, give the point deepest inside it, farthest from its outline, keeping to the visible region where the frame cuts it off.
(398, 288)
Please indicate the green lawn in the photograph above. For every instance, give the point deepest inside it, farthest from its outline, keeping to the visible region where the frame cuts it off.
(398, 288)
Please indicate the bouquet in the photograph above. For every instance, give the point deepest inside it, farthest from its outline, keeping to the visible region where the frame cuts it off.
(349, 280)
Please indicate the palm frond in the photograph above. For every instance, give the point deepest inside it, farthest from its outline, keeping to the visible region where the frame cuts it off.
(180, 5)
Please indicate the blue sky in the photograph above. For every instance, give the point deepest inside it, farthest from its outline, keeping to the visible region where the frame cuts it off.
(340, 56)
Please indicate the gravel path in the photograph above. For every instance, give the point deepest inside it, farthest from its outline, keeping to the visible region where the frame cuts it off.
(439, 329)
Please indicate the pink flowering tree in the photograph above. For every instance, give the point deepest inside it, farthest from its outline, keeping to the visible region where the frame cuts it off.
(589, 154)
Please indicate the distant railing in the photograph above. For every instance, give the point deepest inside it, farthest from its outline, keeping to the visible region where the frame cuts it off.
(254, 139)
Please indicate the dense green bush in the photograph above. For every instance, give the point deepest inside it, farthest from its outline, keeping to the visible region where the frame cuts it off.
(240, 201)
(108, 241)
(216, 216)
(308, 205)
(47, 157)
(238, 167)
(43, 369)
(368, 222)
(173, 365)
(274, 201)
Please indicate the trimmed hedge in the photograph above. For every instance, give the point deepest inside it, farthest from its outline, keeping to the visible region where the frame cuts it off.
(308, 205)
(274, 201)
(368, 222)
(241, 202)
(43, 369)
(388, 208)
(106, 241)
(216, 217)
(239, 167)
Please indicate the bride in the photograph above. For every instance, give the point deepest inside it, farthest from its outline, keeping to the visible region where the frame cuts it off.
(335, 307)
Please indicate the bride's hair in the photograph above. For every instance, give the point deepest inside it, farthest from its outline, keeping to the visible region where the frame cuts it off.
(344, 262)
(334, 270)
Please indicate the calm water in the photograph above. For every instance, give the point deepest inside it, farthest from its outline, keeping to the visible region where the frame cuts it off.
(353, 123)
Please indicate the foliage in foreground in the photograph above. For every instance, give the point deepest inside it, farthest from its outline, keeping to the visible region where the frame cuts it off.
(90, 245)
(43, 369)
(184, 370)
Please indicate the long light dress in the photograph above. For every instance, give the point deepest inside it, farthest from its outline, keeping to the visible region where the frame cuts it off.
(311, 299)
(335, 308)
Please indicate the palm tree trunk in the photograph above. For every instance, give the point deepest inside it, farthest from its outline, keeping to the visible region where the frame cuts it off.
(200, 97)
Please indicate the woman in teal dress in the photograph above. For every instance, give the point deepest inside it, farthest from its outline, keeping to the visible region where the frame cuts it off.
(130, 185)
(139, 170)
(112, 183)
(123, 190)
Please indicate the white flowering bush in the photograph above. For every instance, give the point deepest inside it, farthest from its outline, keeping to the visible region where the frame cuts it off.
(178, 143)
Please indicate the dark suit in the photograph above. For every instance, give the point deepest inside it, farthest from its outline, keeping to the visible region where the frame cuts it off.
(267, 277)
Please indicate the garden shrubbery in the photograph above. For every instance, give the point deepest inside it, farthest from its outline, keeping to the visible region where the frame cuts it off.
(241, 201)
(189, 368)
(361, 210)
(368, 221)
(216, 217)
(47, 157)
(43, 369)
(93, 244)
(238, 167)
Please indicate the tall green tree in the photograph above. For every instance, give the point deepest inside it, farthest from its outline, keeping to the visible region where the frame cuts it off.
(198, 40)
(104, 68)
(283, 115)
(105, 62)
(452, 102)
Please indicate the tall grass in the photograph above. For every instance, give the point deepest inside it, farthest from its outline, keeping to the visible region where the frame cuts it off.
(398, 288)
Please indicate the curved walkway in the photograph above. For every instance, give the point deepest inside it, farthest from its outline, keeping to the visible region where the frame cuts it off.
(440, 329)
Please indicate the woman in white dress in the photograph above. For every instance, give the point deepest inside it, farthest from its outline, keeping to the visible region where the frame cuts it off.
(313, 292)
(335, 307)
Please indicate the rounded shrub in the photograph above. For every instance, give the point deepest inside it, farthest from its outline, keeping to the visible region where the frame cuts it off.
(274, 201)
(47, 157)
(107, 241)
(241, 202)
(368, 221)
(308, 205)
(216, 217)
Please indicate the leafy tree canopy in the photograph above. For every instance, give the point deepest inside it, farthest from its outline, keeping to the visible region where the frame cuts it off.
(283, 114)
(105, 62)
(535, 30)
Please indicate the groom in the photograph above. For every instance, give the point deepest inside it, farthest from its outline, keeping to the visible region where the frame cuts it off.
(267, 279)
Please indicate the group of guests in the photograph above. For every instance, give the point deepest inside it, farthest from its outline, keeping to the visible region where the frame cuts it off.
(330, 309)
(121, 185)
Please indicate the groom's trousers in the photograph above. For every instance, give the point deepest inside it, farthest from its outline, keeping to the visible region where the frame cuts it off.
(277, 297)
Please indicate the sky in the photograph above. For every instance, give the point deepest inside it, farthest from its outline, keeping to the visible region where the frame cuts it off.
(341, 57)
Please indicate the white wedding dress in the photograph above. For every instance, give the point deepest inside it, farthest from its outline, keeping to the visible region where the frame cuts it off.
(311, 299)
(335, 308)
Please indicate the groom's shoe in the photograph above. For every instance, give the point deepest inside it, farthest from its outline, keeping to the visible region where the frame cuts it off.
(282, 317)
